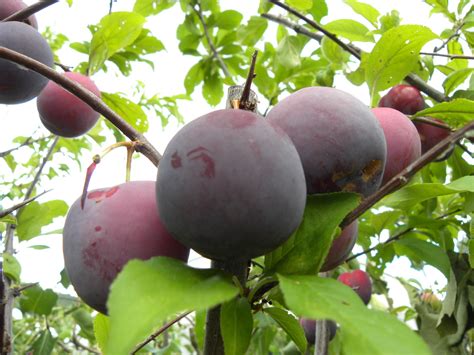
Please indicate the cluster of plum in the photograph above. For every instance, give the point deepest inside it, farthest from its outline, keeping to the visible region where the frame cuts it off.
(60, 112)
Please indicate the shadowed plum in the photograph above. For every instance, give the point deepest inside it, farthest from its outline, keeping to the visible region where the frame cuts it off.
(18, 84)
(231, 186)
(360, 282)
(116, 225)
(338, 138)
(403, 141)
(309, 327)
(404, 98)
(341, 247)
(430, 135)
(64, 114)
(9, 7)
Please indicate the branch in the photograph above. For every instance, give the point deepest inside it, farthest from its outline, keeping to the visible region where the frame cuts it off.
(432, 122)
(412, 79)
(144, 146)
(7, 211)
(294, 26)
(79, 345)
(28, 141)
(245, 100)
(215, 54)
(451, 56)
(159, 331)
(402, 178)
(30, 10)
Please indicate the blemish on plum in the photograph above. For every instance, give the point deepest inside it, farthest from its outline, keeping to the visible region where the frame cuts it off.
(98, 228)
(209, 165)
(93, 257)
(372, 170)
(176, 160)
(111, 191)
(95, 195)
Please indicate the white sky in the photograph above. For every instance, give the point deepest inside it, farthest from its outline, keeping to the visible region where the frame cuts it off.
(171, 68)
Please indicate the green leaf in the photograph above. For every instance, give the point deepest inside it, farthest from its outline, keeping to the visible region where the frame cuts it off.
(290, 325)
(364, 331)
(130, 111)
(319, 10)
(300, 4)
(370, 13)
(455, 113)
(236, 326)
(431, 254)
(306, 250)
(288, 52)
(34, 216)
(64, 278)
(194, 77)
(84, 320)
(44, 345)
(229, 19)
(38, 301)
(152, 7)
(350, 29)
(455, 79)
(116, 31)
(416, 193)
(471, 252)
(213, 89)
(333, 52)
(395, 55)
(101, 330)
(9, 219)
(159, 288)
(11, 267)
(250, 34)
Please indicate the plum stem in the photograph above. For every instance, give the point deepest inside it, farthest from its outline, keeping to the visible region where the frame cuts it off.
(144, 146)
(246, 103)
(432, 122)
(30, 10)
(214, 344)
(450, 56)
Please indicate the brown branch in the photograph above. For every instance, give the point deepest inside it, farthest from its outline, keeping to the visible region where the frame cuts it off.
(432, 122)
(28, 141)
(245, 102)
(66, 68)
(7, 211)
(159, 331)
(403, 177)
(144, 146)
(450, 38)
(412, 79)
(450, 56)
(30, 10)
(215, 54)
(294, 26)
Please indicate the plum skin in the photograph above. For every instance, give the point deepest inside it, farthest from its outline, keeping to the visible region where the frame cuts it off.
(340, 142)
(360, 282)
(341, 247)
(63, 113)
(117, 224)
(9, 7)
(430, 135)
(309, 327)
(231, 186)
(404, 98)
(18, 84)
(403, 140)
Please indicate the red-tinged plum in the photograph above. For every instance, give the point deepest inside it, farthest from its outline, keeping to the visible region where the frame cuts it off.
(231, 186)
(338, 138)
(360, 282)
(9, 7)
(341, 247)
(64, 114)
(403, 141)
(19, 84)
(404, 98)
(430, 135)
(116, 225)
(309, 327)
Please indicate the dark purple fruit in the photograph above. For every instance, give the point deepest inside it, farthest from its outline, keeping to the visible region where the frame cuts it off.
(341, 144)
(18, 84)
(341, 247)
(404, 98)
(116, 225)
(309, 327)
(231, 186)
(9, 7)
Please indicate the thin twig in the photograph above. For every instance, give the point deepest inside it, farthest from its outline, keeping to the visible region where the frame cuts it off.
(143, 146)
(215, 54)
(7, 211)
(79, 345)
(30, 10)
(450, 56)
(159, 331)
(63, 67)
(432, 122)
(294, 26)
(450, 38)
(245, 102)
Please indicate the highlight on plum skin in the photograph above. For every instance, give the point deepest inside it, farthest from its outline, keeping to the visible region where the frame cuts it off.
(63, 113)
(231, 186)
(360, 282)
(339, 140)
(116, 225)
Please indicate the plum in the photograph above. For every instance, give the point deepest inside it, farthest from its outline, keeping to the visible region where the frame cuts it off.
(63, 113)
(231, 186)
(18, 84)
(338, 138)
(309, 327)
(9, 7)
(404, 98)
(341, 247)
(116, 225)
(360, 282)
(430, 135)
(403, 141)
